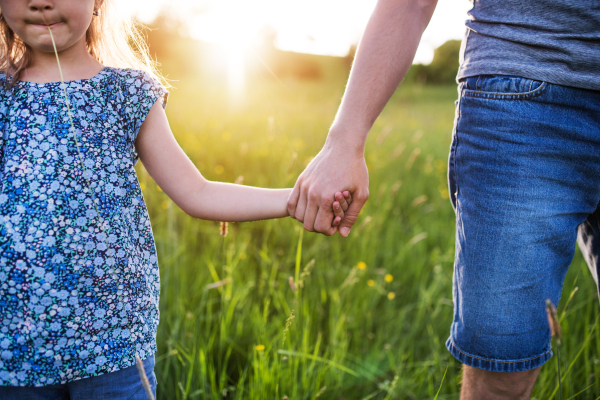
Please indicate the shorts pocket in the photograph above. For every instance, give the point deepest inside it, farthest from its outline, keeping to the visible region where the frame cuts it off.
(452, 179)
(452, 184)
(502, 87)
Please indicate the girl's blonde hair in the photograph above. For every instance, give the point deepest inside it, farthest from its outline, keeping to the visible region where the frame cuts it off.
(113, 40)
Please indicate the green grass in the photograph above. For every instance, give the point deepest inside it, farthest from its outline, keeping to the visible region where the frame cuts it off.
(348, 340)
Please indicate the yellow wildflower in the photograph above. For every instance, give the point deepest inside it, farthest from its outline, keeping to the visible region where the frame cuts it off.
(388, 278)
(361, 265)
(260, 347)
(370, 282)
(391, 295)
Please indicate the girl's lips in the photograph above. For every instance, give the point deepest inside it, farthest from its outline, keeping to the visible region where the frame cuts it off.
(51, 25)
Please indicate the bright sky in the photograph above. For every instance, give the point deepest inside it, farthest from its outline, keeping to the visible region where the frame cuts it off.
(312, 26)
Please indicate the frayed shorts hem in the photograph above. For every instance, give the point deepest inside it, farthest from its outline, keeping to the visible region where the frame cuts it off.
(496, 365)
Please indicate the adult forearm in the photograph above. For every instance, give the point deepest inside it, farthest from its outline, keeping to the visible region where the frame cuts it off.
(384, 55)
(218, 201)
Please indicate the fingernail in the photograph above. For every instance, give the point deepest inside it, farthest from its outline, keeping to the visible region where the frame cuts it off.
(345, 231)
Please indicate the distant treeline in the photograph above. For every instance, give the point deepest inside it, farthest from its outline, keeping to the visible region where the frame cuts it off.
(177, 54)
(442, 69)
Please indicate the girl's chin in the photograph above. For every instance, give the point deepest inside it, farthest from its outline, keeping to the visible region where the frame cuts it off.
(44, 46)
(43, 43)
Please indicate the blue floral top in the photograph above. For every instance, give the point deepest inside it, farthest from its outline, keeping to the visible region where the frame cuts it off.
(79, 280)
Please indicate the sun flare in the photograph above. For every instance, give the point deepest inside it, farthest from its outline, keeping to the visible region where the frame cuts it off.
(327, 27)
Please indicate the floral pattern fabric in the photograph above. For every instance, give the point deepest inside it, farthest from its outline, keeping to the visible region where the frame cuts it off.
(79, 281)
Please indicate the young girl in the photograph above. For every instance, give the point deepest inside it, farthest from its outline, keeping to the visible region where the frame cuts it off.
(79, 280)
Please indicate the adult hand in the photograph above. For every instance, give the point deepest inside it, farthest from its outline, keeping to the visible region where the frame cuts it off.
(335, 169)
(383, 57)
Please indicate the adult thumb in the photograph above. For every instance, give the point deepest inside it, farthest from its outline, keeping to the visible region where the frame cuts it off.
(351, 214)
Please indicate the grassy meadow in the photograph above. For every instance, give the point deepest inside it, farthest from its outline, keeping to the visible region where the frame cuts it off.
(370, 313)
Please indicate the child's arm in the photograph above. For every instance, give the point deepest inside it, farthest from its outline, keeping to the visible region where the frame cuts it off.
(173, 171)
(177, 176)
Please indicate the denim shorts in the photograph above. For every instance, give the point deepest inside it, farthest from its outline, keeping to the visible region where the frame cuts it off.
(124, 384)
(524, 178)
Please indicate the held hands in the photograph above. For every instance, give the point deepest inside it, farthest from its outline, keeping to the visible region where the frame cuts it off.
(336, 167)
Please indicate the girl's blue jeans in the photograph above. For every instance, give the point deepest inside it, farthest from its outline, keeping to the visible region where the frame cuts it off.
(524, 178)
(124, 384)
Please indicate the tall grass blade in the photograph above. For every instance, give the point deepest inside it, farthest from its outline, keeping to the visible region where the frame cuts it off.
(564, 312)
(582, 391)
(138, 361)
(559, 374)
(143, 377)
(576, 357)
(80, 157)
(298, 257)
(557, 335)
(320, 359)
(441, 383)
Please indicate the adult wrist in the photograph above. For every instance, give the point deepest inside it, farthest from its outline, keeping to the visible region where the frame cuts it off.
(348, 140)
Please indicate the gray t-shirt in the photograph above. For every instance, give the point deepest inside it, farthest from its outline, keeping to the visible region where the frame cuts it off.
(556, 41)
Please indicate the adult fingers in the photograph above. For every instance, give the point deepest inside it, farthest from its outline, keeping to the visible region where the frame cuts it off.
(309, 217)
(339, 197)
(301, 206)
(325, 218)
(351, 215)
(293, 199)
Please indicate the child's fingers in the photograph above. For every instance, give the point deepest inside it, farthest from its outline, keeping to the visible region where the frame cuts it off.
(339, 197)
(338, 212)
(348, 197)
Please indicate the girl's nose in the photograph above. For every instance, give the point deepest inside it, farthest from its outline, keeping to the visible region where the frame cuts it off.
(41, 5)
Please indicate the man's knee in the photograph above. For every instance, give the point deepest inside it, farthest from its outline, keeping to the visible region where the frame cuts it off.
(497, 385)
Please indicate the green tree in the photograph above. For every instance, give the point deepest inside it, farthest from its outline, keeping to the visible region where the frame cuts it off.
(442, 69)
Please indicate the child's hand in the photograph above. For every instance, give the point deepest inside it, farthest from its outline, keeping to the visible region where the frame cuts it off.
(341, 203)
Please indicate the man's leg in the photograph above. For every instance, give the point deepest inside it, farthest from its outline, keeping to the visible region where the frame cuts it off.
(479, 384)
(524, 173)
